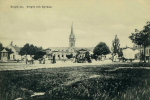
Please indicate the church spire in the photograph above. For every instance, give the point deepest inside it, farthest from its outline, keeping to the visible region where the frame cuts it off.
(72, 28)
(11, 43)
(72, 37)
(72, 33)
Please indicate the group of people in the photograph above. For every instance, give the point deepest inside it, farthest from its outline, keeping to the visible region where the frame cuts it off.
(29, 59)
(100, 57)
(82, 58)
(115, 57)
(51, 58)
(78, 58)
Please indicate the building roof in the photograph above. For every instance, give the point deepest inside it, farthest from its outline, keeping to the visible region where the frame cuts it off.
(17, 48)
(86, 48)
(72, 33)
(4, 50)
(127, 48)
(63, 49)
(59, 48)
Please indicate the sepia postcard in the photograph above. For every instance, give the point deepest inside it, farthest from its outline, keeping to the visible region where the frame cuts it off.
(74, 49)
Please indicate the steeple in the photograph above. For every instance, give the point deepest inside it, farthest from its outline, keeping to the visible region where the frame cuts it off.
(11, 43)
(72, 37)
(72, 33)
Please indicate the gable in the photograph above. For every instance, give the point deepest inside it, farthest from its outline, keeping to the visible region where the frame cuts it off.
(14, 48)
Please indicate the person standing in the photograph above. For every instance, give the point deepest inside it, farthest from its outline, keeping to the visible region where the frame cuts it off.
(74, 59)
(114, 60)
(40, 60)
(51, 59)
(32, 57)
(103, 57)
(44, 57)
(117, 57)
(54, 60)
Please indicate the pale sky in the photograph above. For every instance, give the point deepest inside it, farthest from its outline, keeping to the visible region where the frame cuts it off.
(94, 21)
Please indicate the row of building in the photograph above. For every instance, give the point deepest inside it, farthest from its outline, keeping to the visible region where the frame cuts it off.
(59, 52)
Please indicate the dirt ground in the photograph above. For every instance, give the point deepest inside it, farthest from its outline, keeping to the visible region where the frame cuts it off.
(23, 66)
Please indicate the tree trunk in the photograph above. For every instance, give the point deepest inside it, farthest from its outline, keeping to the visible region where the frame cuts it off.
(144, 54)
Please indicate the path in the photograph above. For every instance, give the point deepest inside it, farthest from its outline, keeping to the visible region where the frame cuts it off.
(23, 66)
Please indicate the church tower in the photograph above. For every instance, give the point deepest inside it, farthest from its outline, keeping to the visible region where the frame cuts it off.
(72, 38)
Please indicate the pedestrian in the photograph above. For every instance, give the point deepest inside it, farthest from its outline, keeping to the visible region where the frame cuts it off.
(117, 57)
(40, 60)
(54, 60)
(102, 57)
(51, 59)
(74, 59)
(32, 60)
(44, 57)
(114, 60)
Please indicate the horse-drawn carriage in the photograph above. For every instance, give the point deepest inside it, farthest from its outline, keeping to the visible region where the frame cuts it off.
(82, 58)
(29, 59)
(128, 55)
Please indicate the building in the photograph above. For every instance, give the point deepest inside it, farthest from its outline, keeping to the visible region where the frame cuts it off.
(62, 52)
(59, 52)
(141, 49)
(15, 52)
(4, 55)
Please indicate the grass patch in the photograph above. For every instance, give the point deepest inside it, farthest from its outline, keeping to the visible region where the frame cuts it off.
(77, 83)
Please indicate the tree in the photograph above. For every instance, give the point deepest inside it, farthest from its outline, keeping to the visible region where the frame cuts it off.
(32, 49)
(116, 46)
(29, 49)
(101, 48)
(1, 47)
(25, 49)
(142, 37)
(39, 54)
(69, 56)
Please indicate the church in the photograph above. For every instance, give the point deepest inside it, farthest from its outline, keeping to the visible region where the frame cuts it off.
(62, 52)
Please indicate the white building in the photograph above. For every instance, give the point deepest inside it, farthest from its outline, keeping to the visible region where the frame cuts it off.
(4, 55)
(141, 49)
(61, 52)
(15, 49)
